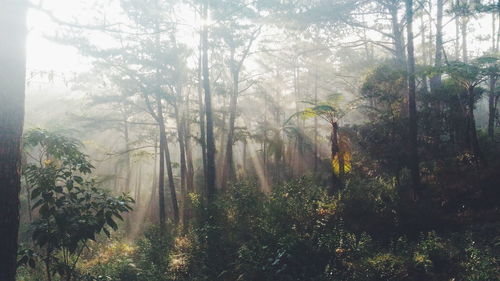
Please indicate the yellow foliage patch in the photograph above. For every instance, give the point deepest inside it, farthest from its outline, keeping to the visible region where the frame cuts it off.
(336, 162)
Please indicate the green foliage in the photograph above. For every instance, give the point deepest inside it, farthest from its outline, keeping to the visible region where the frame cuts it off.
(71, 209)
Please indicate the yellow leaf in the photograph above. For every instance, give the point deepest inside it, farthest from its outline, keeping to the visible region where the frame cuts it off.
(347, 163)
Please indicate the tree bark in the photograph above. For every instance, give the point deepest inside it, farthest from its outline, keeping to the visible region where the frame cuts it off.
(436, 79)
(187, 140)
(161, 174)
(12, 88)
(334, 142)
(474, 141)
(397, 36)
(492, 109)
(210, 173)
(228, 169)
(182, 151)
(170, 174)
(412, 107)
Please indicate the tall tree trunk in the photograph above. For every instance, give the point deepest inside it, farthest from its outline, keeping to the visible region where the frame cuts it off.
(436, 79)
(412, 107)
(189, 151)
(126, 187)
(397, 34)
(210, 175)
(12, 87)
(457, 30)
(474, 142)
(228, 169)
(316, 122)
(425, 50)
(463, 29)
(222, 144)
(492, 110)
(203, 142)
(161, 173)
(182, 151)
(170, 174)
(334, 142)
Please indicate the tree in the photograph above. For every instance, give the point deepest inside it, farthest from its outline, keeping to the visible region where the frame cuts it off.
(12, 86)
(71, 209)
(412, 105)
(331, 112)
(470, 76)
(210, 139)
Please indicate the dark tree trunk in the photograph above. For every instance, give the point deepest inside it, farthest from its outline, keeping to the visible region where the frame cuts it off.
(436, 79)
(189, 152)
(472, 132)
(201, 109)
(182, 151)
(334, 142)
(161, 174)
(399, 45)
(170, 174)
(492, 109)
(210, 173)
(316, 156)
(12, 87)
(412, 107)
(228, 169)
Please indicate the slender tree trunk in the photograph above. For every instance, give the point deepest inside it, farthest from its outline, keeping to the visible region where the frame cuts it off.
(316, 122)
(463, 29)
(212, 260)
(203, 143)
(12, 87)
(436, 79)
(474, 142)
(220, 156)
(210, 175)
(457, 30)
(425, 50)
(170, 174)
(491, 108)
(334, 142)
(189, 151)
(228, 169)
(152, 198)
(183, 166)
(126, 187)
(397, 36)
(412, 107)
(161, 179)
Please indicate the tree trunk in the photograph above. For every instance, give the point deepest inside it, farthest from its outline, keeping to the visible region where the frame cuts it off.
(463, 29)
(210, 173)
(457, 30)
(316, 122)
(201, 109)
(12, 87)
(436, 79)
(491, 108)
(412, 107)
(397, 36)
(161, 178)
(334, 142)
(228, 169)
(474, 142)
(170, 174)
(189, 152)
(182, 151)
